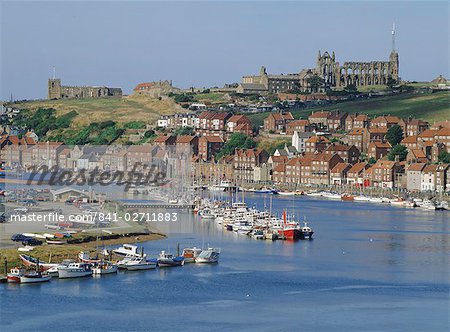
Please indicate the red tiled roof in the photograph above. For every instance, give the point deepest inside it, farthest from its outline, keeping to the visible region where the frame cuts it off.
(430, 169)
(320, 114)
(416, 167)
(339, 167)
(145, 85)
(357, 168)
(410, 139)
(184, 139)
(428, 133)
(213, 139)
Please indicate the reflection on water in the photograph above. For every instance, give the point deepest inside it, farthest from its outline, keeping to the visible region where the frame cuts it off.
(370, 267)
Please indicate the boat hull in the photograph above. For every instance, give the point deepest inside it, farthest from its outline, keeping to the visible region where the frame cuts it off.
(138, 267)
(66, 274)
(33, 280)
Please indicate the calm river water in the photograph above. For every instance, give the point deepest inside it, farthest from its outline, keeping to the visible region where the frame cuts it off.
(370, 268)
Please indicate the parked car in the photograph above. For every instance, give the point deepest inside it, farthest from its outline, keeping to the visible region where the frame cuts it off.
(19, 237)
(31, 242)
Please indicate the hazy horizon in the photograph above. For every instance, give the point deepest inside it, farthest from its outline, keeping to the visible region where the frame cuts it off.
(204, 44)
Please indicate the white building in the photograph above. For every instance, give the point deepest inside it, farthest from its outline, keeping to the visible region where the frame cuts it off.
(299, 140)
(428, 178)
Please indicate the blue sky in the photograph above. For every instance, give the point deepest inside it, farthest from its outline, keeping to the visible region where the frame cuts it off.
(208, 43)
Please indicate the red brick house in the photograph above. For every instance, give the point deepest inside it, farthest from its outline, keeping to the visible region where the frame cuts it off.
(277, 122)
(302, 126)
(321, 166)
(378, 150)
(350, 154)
(208, 146)
(316, 144)
(245, 160)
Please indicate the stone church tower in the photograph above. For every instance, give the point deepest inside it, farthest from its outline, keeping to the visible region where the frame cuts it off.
(54, 88)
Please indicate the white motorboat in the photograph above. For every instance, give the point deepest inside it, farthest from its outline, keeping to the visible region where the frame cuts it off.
(104, 268)
(128, 250)
(361, 198)
(74, 270)
(375, 200)
(286, 193)
(134, 263)
(210, 255)
(190, 254)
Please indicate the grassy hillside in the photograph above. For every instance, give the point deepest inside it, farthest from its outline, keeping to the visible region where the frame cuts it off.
(120, 110)
(428, 106)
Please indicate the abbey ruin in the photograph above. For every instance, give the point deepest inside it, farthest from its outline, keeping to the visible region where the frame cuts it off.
(331, 73)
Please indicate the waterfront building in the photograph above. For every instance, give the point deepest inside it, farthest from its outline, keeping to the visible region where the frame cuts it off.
(413, 177)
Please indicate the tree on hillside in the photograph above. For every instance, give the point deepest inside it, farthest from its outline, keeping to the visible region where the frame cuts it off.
(391, 83)
(399, 151)
(444, 157)
(351, 88)
(236, 140)
(184, 131)
(315, 82)
(394, 135)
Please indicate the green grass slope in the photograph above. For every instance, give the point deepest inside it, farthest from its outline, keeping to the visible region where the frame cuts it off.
(428, 106)
(120, 110)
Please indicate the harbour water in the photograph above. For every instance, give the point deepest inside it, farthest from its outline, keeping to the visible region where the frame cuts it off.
(370, 267)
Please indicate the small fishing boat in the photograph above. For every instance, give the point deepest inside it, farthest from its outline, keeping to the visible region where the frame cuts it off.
(56, 242)
(210, 256)
(134, 263)
(258, 235)
(190, 254)
(31, 261)
(34, 277)
(128, 250)
(74, 270)
(306, 232)
(104, 267)
(347, 197)
(85, 258)
(15, 274)
(166, 260)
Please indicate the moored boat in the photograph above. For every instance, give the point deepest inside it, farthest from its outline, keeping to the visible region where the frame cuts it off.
(34, 277)
(74, 270)
(31, 261)
(104, 267)
(166, 260)
(347, 197)
(128, 250)
(190, 254)
(15, 274)
(135, 263)
(210, 255)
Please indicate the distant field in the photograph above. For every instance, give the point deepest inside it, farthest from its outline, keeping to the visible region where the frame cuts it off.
(121, 110)
(427, 106)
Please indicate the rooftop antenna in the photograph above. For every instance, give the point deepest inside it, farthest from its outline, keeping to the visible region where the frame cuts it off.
(393, 37)
(54, 72)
